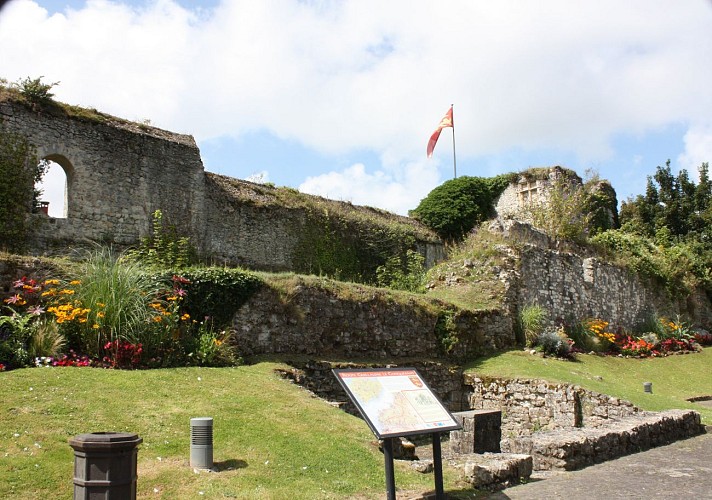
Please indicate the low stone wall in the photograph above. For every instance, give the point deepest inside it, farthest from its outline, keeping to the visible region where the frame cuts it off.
(577, 448)
(329, 320)
(316, 376)
(532, 405)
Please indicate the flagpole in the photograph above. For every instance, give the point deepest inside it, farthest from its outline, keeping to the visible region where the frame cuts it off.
(454, 158)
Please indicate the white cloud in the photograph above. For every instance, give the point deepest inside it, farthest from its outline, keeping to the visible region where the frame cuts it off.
(698, 148)
(342, 76)
(396, 192)
(261, 177)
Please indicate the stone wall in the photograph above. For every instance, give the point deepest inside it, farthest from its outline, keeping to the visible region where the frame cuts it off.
(317, 377)
(117, 175)
(280, 229)
(324, 318)
(572, 284)
(530, 406)
(571, 449)
(531, 188)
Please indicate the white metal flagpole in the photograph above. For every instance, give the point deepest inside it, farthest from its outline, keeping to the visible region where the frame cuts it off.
(454, 158)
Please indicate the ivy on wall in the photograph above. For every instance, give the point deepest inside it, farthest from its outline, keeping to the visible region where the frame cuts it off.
(345, 248)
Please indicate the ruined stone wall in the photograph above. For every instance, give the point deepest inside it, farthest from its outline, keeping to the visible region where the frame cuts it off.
(118, 174)
(533, 405)
(281, 229)
(360, 322)
(317, 377)
(572, 284)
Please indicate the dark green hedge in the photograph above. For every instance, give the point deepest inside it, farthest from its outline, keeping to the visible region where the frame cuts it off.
(456, 206)
(217, 293)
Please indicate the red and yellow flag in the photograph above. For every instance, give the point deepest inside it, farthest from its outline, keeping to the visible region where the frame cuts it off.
(445, 122)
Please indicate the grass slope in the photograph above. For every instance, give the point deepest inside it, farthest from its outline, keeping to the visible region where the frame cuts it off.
(674, 378)
(272, 440)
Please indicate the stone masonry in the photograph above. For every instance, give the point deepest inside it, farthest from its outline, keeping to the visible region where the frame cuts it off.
(119, 173)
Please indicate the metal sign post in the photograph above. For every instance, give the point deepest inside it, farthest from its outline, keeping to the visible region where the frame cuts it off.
(397, 402)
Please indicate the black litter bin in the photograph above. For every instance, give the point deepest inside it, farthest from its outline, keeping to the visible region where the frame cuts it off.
(105, 465)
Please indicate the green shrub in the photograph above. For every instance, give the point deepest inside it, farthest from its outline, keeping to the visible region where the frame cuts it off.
(165, 248)
(456, 206)
(564, 214)
(34, 90)
(213, 348)
(217, 293)
(20, 170)
(585, 339)
(46, 340)
(15, 333)
(446, 331)
(403, 272)
(679, 267)
(116, 293)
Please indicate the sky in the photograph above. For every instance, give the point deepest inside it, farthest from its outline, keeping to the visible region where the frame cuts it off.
(339, 97)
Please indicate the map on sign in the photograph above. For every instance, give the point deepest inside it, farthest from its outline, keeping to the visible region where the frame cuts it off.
(396, 401)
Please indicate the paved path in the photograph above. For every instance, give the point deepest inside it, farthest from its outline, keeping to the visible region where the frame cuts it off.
(682, 470)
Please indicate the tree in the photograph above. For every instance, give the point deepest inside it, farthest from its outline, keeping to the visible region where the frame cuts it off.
(19, 172)
(456, 206)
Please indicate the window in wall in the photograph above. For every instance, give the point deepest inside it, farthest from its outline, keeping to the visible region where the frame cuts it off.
(54, 191)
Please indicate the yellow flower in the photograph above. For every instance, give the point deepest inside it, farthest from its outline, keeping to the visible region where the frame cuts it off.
(100, 304)
(95, 326)
(75, 282)
(51, 282)
(157, 319)
(66, 291)
(185, 317)
(100, 314)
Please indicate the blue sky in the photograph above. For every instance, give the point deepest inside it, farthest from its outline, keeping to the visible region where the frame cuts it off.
(339, 97)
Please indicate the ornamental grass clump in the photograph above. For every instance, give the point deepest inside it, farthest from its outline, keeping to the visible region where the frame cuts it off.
(115, 297)
(531, 323)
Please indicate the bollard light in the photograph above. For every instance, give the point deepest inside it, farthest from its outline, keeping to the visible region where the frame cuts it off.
(648, 387)
(201, 442)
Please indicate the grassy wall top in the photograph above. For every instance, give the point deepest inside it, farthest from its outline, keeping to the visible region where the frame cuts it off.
(90, 115)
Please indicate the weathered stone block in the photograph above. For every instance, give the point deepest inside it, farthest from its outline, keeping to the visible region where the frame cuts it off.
(481, 432)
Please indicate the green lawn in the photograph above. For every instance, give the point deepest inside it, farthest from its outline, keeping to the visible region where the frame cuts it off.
(674, 378)
(271, 438)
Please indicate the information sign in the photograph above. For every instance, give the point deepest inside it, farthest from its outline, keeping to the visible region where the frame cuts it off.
(396, 401)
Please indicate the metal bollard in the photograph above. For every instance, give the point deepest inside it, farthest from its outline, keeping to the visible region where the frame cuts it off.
(105, 465)
(648, 387)
(201, 442)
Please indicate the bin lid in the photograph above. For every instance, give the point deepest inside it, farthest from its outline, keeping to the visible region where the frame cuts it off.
(99, 440)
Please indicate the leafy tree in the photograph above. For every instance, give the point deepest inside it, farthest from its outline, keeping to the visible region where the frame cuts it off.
(19, 172)
(456, 206)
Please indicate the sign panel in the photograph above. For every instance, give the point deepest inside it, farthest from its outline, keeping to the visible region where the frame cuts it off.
(396, 401)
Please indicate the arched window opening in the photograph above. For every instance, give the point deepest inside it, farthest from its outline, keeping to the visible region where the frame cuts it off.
(53, 200)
